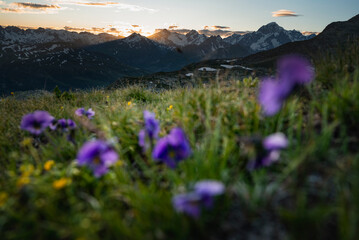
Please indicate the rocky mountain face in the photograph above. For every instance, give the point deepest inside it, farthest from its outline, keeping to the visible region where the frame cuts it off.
(334, 36)
(267, 37)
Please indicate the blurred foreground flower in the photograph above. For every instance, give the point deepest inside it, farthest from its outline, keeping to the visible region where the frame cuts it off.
(98, 155)
(203, 196)
(173, 148)
(49, 164)
(61, 183)
(63, 124)
(82, 112)
(269, 151)
(150, 131)
(292, 71)
(36, 122)
(3, 198)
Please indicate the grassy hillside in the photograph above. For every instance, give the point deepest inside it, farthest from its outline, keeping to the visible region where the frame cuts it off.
(311, 192)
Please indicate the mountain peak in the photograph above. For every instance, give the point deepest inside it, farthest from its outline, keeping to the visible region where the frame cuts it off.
(270, 28)
(192, 33)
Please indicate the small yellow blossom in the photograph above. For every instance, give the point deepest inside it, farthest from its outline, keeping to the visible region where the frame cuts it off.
(3, 198)
(129, 103)
(27, 169)
(61, 183)
(170, 108)
(23, 180)
(62, 107)
(48, 165)
(26, 142)
(12, 93)
(119, 163)
(114, 123)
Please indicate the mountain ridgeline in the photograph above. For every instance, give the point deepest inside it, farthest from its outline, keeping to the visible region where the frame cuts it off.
(43, 58)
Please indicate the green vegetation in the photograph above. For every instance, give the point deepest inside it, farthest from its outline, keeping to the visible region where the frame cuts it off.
(312, 192)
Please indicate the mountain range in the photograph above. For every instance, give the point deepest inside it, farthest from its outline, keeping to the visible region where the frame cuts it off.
(43, 58)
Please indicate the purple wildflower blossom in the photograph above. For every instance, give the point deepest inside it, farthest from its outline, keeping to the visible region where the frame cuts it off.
(173, 148)
(82, 112)
(207, 189)
(270, 151)
(98, 156)
(63, 124)
(189, 203)
(292, 71)
(150, 132)
(36, 122)
(202, 196)
(295, 68)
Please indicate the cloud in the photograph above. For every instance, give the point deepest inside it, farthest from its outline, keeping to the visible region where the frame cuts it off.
(284, 13)
(135, 8)
(172, 27)
(307, 33)
(135, 26)
(220, 27)
(35, 5)
(101, 4)
(30, 8)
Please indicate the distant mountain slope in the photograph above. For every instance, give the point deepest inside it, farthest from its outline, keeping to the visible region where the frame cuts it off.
(178, 40)
(334, 35)
(141, 52)
(267, 37)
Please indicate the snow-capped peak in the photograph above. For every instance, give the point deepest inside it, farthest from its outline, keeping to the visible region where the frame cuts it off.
(270, 28)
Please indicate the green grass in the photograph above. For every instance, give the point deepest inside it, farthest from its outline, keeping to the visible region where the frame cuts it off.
(311, 193)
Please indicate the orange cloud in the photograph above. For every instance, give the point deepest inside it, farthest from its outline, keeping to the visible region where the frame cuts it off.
(97, 3)
(220, 27)
(35, 5)
(284, 13)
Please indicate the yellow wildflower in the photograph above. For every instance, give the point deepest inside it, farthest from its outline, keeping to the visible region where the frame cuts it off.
(3, 198)
(61, 183)
(26, 142)
(119, 163)
(129, 103)
(62, 107)
(12, 93)
(48, 165)
(170, 108)
(27, 169)
(23, 180)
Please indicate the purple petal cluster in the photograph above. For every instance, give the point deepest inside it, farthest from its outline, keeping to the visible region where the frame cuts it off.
(150, 132)
(270, 151)
(98, 155)
(82, 112)
(172, 148)
(64, 125)
(36, 122)
(203, 196)
(292, 71)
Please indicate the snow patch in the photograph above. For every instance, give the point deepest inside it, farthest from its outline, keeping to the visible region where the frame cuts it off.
(207, 69)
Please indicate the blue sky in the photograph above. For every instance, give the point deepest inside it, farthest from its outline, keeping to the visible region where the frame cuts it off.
(123, 16)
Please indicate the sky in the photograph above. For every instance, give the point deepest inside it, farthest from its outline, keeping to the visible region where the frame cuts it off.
(145, 16)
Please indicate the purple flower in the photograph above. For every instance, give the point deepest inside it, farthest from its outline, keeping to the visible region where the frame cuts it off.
(151, 130)
(173, 148)
(292, 71)
(295, 69)
(207, 189)
(202, 196)
(189, 203)
(269, 151)
(98, 156)
(63, 124)
(276, 141)
(36, 122)
(82, 112)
